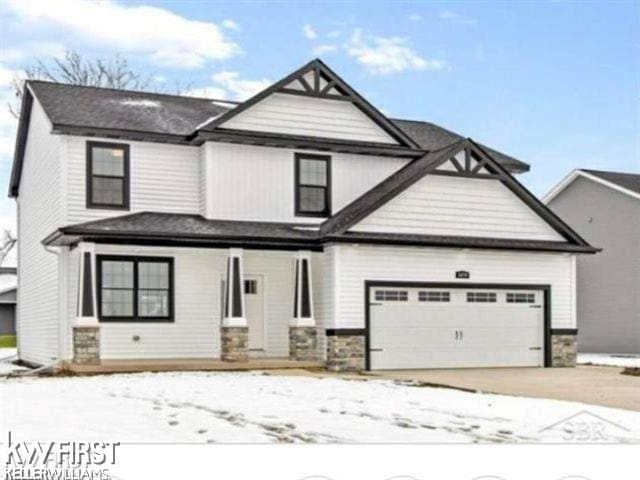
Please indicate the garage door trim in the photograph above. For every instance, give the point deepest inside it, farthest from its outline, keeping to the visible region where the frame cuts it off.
(546, 289)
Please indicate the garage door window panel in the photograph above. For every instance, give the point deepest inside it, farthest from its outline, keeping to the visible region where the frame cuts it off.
(482, 297)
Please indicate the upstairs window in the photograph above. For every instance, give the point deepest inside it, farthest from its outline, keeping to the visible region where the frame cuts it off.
(313, 185)
(107, 175)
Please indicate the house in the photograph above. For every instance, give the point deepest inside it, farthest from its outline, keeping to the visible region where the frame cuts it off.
(8, 288)
(604, 207)
(302, 223)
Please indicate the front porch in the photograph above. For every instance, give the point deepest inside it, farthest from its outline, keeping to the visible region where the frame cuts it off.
(188, 365)
(162, 308)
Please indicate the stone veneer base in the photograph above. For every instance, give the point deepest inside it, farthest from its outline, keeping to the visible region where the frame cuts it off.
(235, 344)
(564, 350)
(346, 353)
(86, 345)
(303, 343)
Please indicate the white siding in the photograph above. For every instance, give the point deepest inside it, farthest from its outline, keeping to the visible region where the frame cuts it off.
(308, 116)
(164, 178)
(444, 205)
(257, 183)
(39, 214)
(195, 333)
(357, 264)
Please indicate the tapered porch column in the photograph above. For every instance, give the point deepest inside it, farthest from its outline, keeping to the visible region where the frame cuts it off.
(234, 330)
(302, 329)
(86, 328)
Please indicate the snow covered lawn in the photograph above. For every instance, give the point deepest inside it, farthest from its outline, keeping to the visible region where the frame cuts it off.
(7, 356)
(609, 360)
(256, 407)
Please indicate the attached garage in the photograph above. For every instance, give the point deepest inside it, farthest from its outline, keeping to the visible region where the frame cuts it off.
(455, 325)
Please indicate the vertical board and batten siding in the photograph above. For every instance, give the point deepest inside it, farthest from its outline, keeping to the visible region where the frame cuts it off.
(245, 182)
(39, 214)
(164, 178)
(195, 332)
(359, 263)
(446, 205)
(311, 117)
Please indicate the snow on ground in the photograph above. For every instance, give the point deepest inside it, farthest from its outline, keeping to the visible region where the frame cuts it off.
(255, 407)
(608, 359)
(7, 356)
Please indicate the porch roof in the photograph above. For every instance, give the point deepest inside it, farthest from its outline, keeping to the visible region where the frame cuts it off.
(188, 230)
(153, 228)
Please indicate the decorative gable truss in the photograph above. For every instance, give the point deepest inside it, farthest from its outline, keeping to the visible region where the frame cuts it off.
(456, 192)
(312, 103)
(316, 83)
(469, 162)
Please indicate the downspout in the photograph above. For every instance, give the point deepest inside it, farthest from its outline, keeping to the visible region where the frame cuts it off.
(56, 360)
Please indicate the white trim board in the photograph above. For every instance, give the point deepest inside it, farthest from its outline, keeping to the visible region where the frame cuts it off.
(566, 181)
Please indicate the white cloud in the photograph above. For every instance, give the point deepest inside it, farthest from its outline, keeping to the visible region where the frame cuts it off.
(32, 49)
(309, 32)
(334, 34)
(229, 86)
(168, 38)
(414, 17)
(238, 88)
(7, 75)
(456, 17)
(387, 55)
(230, 24)
(322, 49)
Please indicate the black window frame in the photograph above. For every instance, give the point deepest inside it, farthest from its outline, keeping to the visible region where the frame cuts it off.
(136, 260)
(298, 157)
(90, 175)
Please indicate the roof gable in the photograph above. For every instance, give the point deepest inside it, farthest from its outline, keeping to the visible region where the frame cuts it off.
(447, 162)
(317, 84)
(626, 183)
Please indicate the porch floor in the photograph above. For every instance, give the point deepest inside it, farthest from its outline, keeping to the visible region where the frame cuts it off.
(189, 364)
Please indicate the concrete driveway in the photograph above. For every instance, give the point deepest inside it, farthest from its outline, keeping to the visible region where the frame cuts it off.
(587, 384)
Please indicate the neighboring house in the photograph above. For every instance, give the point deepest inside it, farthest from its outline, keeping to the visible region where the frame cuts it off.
(604, 207)
(8, 287)
(302, 223)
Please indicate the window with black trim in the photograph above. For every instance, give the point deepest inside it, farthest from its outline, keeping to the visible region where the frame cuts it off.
(136, 289)
(107, 175)
(313, 185)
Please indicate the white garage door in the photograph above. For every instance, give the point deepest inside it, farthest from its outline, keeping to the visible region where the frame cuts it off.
(455, 327)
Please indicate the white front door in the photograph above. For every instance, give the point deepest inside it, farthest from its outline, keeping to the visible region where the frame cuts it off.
(254, 304)
(456, 327)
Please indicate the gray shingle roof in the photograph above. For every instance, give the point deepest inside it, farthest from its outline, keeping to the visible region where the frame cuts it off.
(103, 108)
(433, 137)
(630, 181)
(195, 226)
(93, 107)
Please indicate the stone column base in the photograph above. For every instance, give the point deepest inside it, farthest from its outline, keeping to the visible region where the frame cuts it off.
(564, 350)
(235, 344)
(303, 343)
(86, 345)
(345, 353)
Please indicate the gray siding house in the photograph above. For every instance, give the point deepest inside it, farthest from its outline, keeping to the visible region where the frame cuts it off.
(8, 294)
(604, 208)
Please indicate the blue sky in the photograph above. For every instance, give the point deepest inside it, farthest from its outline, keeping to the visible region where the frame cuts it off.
(553, 83)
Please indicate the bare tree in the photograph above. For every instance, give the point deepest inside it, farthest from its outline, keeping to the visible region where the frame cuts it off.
(7, 244)
(74, 69)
